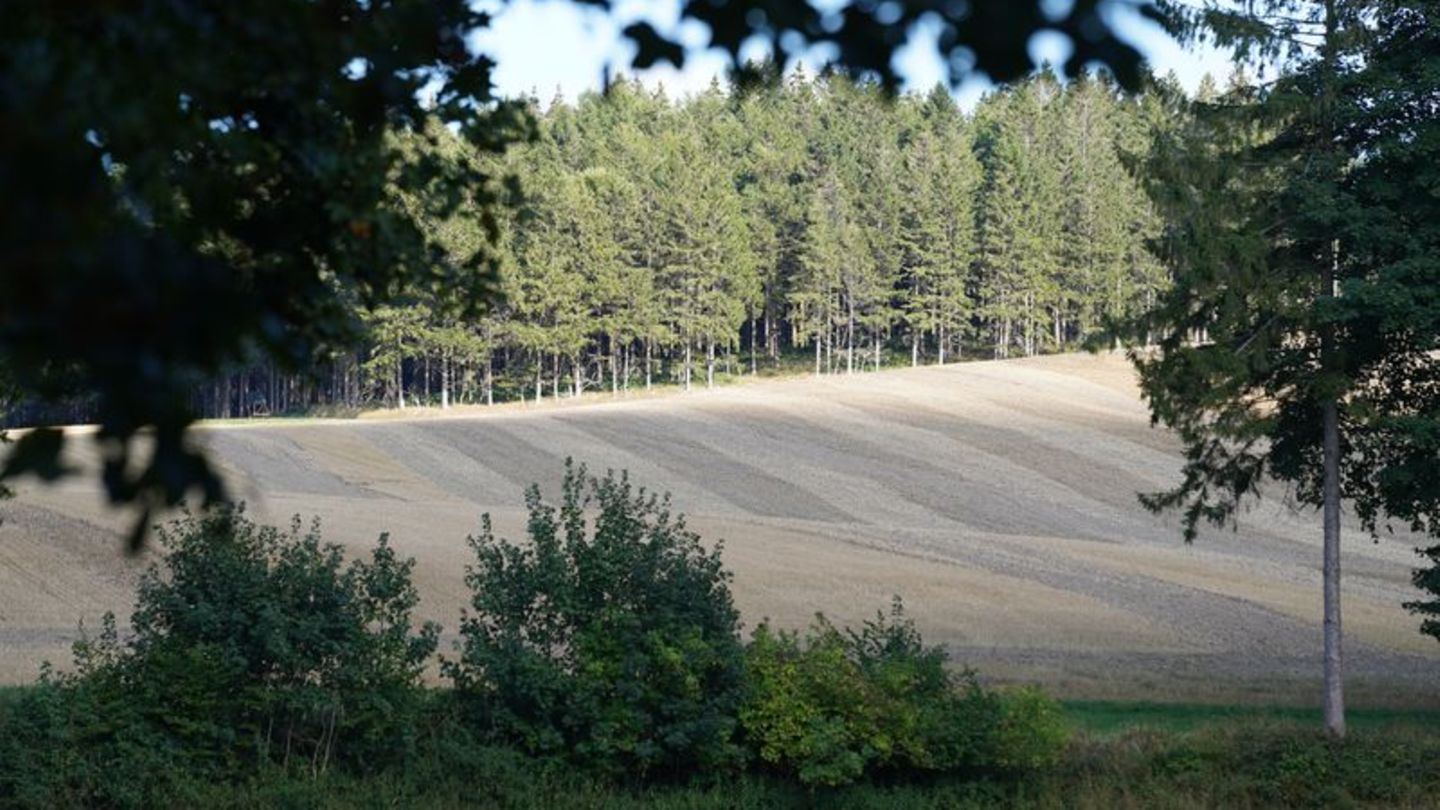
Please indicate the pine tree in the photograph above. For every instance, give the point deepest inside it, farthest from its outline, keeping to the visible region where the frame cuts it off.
(1300, 242)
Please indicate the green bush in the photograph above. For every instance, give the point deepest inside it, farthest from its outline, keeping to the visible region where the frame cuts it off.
(616, 646)
(835, 705)
(250, 648)
(1033, 731)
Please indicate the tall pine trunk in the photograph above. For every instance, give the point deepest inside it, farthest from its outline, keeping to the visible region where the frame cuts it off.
(850, 338)
(1330, 440)
(754, 324)
(444, 383)
(1334, 654)
(1330, 494)
(490, 381)
(687, 364)
(614, 367)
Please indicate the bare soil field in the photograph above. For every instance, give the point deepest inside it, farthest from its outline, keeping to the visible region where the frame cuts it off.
(998, 498)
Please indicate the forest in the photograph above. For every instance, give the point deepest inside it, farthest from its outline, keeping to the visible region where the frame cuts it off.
(654, 240)
(661, 240)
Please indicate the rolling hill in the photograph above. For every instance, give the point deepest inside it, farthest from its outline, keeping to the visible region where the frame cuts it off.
(998, 498)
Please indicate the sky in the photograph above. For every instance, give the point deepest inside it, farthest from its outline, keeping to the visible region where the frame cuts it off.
(549, 46)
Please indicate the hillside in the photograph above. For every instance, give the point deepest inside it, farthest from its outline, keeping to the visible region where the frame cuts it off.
(998, 498)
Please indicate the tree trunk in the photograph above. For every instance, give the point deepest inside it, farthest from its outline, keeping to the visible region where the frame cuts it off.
(1334, 657)
(710, 364)
(817, 354)
(914, 349)
(490, 381)
(850, 340)
(687, 364)
(614, 367)
(1330, 492)
(754, 325)
(444, 383)
(649, 347)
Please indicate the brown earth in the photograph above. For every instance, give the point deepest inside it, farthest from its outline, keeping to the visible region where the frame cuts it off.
(998, 498)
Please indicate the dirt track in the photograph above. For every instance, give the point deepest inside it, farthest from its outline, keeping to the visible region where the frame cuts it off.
(997, 498)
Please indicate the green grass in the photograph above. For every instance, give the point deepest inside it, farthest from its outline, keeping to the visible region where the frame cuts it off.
(1108, 718)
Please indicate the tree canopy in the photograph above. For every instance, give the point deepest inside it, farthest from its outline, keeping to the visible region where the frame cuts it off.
(1299, 336)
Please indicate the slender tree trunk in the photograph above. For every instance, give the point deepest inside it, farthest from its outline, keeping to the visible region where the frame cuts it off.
(817, 354)
(1330, 492)
(444, 383)
(1334, 655)
(710, 364)
(687, 364)
(577, 374)
(539, 378)
(1330, 440)
(850, 339)
(490, 381)
(876, 338)
(830, 349)
(614, 367)
(649, 350)
(754, 325)
(940, 344)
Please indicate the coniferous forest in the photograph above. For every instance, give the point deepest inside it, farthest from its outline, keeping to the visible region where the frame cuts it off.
(660, 241)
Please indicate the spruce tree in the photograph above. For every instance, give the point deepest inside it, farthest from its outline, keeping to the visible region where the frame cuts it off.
(1295, 345)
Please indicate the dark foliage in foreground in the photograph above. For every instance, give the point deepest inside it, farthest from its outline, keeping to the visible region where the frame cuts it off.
(601, 667)
(251, 648)
(617, 645)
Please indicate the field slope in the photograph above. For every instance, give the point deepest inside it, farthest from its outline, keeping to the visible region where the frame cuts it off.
(998, 498)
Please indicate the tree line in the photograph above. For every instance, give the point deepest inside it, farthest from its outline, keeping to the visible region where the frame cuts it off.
(651, 241)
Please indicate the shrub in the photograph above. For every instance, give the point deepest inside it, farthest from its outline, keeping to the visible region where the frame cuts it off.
(835, 705)
(1032, 733)
(618, 646)
(249, 647)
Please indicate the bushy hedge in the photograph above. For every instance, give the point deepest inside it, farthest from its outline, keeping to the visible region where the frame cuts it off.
(832, 705)
(606, 640)
(250, 648)
(612, 641)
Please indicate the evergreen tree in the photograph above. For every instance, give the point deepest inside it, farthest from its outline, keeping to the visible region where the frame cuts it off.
(1299, 338)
